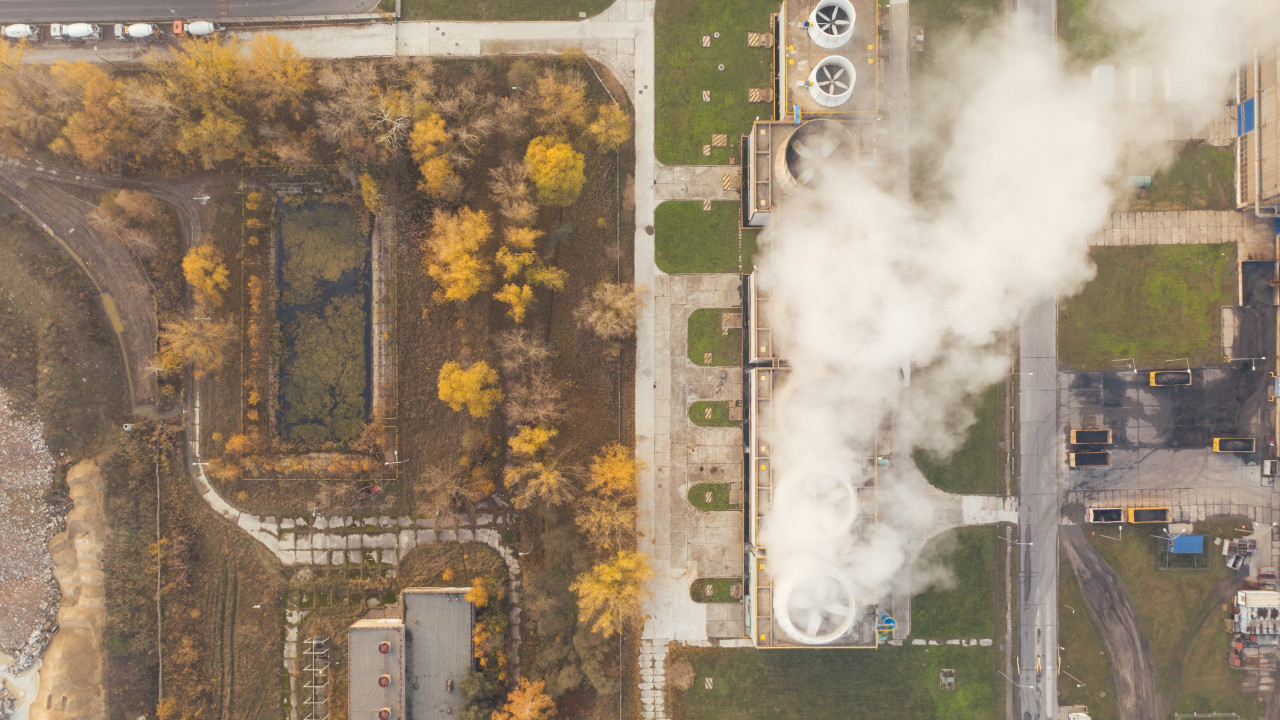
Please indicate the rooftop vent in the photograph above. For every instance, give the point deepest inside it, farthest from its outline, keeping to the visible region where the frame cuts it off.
(831, 82)
(831, 24)
(384, 680)
(384, 647)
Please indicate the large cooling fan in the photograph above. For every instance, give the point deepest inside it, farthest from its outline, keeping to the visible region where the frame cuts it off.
(831, 82)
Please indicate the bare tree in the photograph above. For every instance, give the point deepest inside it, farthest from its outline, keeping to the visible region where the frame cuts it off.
(520, 350)
(610, 310)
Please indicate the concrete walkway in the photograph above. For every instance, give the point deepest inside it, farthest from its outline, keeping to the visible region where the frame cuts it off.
(1255, 236)
(698, 182)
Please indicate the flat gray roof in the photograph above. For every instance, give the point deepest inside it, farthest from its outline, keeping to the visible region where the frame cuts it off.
(366, 664)
(438, 623)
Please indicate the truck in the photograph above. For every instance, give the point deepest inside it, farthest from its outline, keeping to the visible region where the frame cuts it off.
(1170, 378)
(138, 31)
(1089, 459)
(1234, 445)
(195, 28)
(75, 31)
(1106, 515)
(22, 31)
(1090, 437)
(1148, 515)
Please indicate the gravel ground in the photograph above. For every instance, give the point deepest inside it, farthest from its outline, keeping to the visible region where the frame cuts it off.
(28, 591)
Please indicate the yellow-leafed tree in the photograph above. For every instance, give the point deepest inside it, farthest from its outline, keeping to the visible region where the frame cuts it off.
(560, 103)
(531, 439)
(371, 192)
(611, 128)
(103, 127)
(521, 238)
(277, 76)
(453, 257)
(427, 146)
(514, 263)
(529, 701)
(517, 297)
(547, 276)
(556, 170)
(613, 472)
(206, 273)
(537, 482)
(203, 345)
(475, 387)
(611, 594)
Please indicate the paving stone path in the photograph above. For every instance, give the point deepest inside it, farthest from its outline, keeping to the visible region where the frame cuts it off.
(1255, 236)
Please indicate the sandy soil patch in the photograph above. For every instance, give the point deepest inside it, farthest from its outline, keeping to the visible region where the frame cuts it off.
(71, 674)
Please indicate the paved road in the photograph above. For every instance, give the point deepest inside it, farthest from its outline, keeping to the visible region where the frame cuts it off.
(1038, 514)
(119, 10)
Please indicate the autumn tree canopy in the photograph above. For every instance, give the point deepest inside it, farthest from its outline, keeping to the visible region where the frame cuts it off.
(206, 273)
(611, 128)
(610, 310)
(528, 701)
(452, 252)
(556, 170)
(202, 344)
(475, 387)
(611, 595)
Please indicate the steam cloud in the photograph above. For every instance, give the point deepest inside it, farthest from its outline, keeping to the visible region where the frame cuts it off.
(862, 279)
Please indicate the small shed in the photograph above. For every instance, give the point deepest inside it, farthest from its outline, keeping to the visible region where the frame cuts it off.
(1186, 544)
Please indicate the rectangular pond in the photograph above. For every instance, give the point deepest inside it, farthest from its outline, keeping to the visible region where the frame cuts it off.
(324, 320)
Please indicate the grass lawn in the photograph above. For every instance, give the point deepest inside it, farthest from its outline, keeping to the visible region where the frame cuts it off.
(690, 240)
(707, 336)
(711, 413)
(974, 467)
(1151, 303)
(685, 69)
(1202, 177)
(892, 683)
(1083, 654)
(1085, 36)
(1183, 622)
(968, 609)
(708, 590)
(712, 496)
(496, 9)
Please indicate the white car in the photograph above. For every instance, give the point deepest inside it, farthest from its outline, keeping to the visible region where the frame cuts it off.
(21, 32)
(75, 31)
(138, 31)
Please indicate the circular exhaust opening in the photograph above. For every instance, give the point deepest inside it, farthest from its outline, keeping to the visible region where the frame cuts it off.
(827, 502)
(831, 23)
(816, 148)
(815, 609)
(831, 82)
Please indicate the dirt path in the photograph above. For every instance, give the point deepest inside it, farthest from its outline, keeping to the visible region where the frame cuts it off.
(71, 675)
(1132, 671)
(127, 295)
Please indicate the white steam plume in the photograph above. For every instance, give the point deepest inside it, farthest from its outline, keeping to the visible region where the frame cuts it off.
(862, 279)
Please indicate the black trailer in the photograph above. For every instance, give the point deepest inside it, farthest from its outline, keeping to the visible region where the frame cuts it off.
(1089, 459)
(1234, 445)
(1170, 378)
(1090, 437)
(1106, 515)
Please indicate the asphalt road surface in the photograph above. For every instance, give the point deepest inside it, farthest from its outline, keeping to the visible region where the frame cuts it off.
(66, 11)
(1038, 514)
